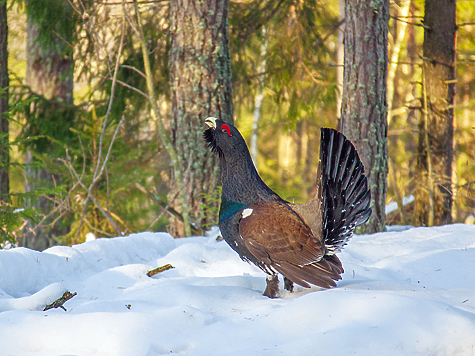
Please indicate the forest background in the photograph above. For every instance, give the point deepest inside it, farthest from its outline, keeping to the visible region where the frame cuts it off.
(86, 147)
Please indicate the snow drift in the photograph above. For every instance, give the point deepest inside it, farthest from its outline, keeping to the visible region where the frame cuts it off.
(408, 292)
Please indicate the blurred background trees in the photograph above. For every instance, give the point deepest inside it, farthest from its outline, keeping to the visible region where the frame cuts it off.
(4, 126)
(88, 150)
(436, 127)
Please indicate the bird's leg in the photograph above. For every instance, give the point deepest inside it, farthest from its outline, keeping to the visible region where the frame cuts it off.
(272, 289)
(288, 285)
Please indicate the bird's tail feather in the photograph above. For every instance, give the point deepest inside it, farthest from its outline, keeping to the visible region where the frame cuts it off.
(345, 194)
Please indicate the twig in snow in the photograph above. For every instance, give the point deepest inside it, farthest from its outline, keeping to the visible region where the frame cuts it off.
(161, 269)
(58, 303)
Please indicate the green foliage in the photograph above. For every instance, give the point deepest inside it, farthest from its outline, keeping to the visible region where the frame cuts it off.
(56, 23)
(300, 91)
(15, 209)
(11, 219)
(14, 213)
(49, 121)
(129, 162)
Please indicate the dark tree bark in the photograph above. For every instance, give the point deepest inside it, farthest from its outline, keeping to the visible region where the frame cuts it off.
(49, 73)
(364, 105)
(436, 128)
(4, 82)
(200, 80)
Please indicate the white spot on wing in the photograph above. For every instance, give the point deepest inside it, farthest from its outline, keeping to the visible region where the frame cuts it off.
(246, 213)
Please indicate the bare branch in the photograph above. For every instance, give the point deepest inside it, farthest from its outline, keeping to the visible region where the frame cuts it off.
(131, 2)
(109, 150)
(114, 80)
(410, 23)
(96, 229)
(134, 69)
(99, 206)
(130, 87)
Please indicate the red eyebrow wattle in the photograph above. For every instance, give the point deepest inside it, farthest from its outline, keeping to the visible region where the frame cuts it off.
(226, 127)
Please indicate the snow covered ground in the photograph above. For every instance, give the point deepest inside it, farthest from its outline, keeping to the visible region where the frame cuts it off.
(408, 292)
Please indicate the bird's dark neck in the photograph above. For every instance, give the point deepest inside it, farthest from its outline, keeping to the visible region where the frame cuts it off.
(241, 182)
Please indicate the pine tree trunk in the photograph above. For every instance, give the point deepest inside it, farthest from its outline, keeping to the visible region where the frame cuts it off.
(200, 79)
(49, 72)
(258, 99)
(364, 106)
(435, 150)
(4, 82)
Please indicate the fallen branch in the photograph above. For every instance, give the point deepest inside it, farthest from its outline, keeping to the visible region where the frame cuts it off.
(58, 303)
(158, 270)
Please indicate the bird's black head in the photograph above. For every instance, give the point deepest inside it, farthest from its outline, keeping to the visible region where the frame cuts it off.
(241, 182)
(222, 137)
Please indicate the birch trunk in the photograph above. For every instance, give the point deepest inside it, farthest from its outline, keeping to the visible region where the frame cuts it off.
(258, 99)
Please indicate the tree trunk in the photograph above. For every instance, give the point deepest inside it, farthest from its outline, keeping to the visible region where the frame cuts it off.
(4, 82)
(435, 149)
(49, 73)
(200, 81)
(364, 106)
(258, 99)
(49, 70)
(340, 57)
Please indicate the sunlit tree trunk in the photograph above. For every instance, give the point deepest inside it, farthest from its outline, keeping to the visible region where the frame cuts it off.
(258, 99)
(49, 73)
(340, 57)
(364, 106)
(200, 80)
(4, 148)
(436, 129)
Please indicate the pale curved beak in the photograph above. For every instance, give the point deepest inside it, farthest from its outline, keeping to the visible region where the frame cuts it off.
(211, 122)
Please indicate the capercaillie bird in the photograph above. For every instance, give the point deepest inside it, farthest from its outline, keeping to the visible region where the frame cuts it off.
(300, 241)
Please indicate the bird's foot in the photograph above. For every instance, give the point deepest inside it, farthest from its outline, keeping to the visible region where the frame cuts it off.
(272, 288)
(288, 285)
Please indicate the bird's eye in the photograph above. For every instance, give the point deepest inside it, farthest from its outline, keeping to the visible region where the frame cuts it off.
(225, 129)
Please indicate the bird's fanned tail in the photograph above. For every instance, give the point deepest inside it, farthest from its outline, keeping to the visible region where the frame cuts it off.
(345, 194)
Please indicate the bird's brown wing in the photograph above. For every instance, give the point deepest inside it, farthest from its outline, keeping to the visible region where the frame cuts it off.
(278, 236)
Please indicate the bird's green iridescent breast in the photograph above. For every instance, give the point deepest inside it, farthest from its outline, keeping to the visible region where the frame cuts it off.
(228, 208)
